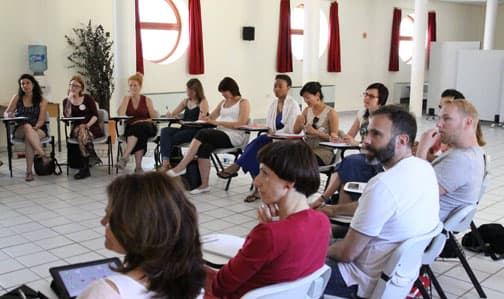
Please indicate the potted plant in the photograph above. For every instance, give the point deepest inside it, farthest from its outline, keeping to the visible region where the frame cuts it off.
(93, 58)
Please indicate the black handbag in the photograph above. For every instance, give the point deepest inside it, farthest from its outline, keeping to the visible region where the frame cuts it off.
(48, 168)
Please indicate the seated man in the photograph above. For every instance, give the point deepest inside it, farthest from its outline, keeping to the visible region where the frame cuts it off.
(396, 205)
(460, 169)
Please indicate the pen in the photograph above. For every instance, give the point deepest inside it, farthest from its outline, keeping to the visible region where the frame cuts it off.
(21, 294)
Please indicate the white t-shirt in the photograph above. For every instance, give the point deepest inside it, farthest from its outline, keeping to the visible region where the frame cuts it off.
(396, 205)
(128, 289)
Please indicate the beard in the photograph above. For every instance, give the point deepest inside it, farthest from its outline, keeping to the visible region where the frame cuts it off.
(383, 154)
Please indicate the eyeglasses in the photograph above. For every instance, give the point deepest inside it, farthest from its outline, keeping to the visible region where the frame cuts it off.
(74, 85)
(367, 94)
(315, 121)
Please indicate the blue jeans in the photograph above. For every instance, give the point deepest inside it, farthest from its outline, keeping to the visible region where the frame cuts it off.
(171, 137)
(337, 285)
(248, 160)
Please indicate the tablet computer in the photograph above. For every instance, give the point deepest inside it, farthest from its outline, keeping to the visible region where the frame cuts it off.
(70, 280)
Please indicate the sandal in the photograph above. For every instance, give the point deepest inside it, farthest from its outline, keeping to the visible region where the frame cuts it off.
(226, 175)
(251, 198)
(29, 177)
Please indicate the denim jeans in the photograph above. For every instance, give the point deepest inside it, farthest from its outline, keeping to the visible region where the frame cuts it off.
(171, 137)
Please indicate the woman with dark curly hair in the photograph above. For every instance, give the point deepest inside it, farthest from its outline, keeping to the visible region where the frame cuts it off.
(30, 103)
(150, 221)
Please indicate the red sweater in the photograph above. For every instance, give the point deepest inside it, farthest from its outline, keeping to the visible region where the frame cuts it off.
(276, 252)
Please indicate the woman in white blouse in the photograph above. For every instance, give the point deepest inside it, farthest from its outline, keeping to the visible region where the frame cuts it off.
(281, 117)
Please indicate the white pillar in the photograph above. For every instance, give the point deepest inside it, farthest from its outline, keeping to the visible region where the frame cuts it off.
(124, 49)
(418, 65)
(311, 40)
(490, 22)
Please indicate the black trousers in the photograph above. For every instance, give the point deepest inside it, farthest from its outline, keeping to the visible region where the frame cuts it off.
(210, 140)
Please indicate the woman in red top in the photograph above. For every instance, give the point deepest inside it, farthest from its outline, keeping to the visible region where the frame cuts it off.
(287, 248)
(79, 104)
(139, 128)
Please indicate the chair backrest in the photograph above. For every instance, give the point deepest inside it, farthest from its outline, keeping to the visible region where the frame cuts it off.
(434, 249)
(460, 219)
(103, 119)
(402, 268)
(311, 286)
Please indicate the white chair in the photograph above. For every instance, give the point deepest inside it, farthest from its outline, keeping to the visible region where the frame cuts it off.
(12, 140)
(120, 127)
(311, 286)
(103, 119)
(431, 253)
(402, 268)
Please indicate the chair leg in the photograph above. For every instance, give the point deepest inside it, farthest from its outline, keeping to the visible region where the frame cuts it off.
(435, 282)
(465, 264)
(9, 154)
(419, 285)
(119, 154)
(109, 153)
(68, 159)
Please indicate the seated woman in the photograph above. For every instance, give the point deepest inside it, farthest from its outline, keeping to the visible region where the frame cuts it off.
(319, 122)
(29, 103)
(195, 107)
(139, 128)
(286, 249)
(280, 118)
(150, 221)
(79, 104)
(356, 167)
(231, 112)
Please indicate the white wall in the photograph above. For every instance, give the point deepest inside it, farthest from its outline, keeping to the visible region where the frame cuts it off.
(252, 64)
(499, 38)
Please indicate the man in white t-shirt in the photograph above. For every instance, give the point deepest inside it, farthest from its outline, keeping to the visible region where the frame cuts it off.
(396, 205)
(461, 168)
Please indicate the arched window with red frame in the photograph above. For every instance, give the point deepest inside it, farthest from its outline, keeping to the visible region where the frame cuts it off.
(164, 29)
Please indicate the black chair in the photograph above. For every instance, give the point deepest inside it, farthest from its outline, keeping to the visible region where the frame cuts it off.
(103, 120)
(12, 140)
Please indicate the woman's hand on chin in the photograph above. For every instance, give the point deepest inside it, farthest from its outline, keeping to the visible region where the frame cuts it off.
(266, 212)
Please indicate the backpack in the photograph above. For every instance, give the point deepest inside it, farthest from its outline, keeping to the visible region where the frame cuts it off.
(492, 235)
(49, 168)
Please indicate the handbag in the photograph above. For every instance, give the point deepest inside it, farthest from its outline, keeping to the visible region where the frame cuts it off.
(48, 168)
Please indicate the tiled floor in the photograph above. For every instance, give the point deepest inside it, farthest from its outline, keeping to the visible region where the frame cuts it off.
(55, 221)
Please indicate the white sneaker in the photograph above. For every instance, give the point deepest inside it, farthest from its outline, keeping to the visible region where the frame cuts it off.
(121, 164)
(175, 174)
(199, 191)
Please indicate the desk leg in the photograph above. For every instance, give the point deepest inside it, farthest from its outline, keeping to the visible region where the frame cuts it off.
(59, 136)
(9, 148)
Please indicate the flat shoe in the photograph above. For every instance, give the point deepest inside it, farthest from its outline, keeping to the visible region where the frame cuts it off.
(199, 191)
(176, 174)
(251, 198)
(226, 175)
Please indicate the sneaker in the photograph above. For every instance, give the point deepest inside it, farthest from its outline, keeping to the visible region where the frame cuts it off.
(199, 191)
(121, 164)
(175, 174)
(139, 170)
